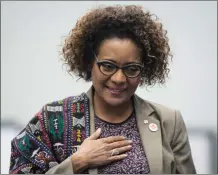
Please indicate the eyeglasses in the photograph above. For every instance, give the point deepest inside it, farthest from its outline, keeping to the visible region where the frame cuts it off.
(108, 68)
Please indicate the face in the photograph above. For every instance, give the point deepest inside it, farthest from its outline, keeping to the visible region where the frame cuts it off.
(117, 88)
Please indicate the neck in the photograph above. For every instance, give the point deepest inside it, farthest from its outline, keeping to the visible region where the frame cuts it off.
(110, 113)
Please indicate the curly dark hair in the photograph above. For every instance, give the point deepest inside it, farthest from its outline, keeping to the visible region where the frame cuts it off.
(129, 22)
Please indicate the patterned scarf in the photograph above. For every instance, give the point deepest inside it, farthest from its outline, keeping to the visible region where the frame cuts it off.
(51, 136)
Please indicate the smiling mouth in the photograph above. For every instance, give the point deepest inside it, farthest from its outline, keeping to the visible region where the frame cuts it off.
(116, 91)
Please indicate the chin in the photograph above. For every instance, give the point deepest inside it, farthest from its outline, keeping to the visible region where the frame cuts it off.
(115, 101)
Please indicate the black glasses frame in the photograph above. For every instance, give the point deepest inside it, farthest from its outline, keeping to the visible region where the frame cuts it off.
(100, 63)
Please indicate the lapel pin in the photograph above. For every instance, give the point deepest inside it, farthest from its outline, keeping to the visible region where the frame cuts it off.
(153, 127)
(145, 121)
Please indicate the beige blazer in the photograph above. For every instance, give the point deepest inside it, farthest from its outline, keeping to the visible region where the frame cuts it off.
(167, 149)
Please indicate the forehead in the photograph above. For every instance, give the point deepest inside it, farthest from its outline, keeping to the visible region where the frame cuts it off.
(119, 50)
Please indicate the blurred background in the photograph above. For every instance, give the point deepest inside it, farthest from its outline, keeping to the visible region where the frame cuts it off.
(32, 74)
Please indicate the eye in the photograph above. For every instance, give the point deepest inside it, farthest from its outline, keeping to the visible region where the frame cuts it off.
(132, 68)
(107, 66)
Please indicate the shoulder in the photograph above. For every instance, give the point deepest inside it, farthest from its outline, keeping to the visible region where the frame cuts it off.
(54, 110)
(170, 119)
(167, 116)
(64, 104)
(72, 99)
(163, 112)
(166, 113)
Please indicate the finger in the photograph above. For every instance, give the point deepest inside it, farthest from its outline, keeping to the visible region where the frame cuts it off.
(112, 139)
(119, 151)
(95, 135)
(119, 144)
(117, 157)
(124, 149)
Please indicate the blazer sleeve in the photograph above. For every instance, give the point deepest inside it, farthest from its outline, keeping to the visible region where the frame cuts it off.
(31, 151)
(181, 147)
(65, 167)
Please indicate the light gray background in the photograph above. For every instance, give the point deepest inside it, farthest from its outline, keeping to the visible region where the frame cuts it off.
(32, 75)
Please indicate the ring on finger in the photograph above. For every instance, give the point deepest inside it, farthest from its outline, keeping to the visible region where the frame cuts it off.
(114, 152)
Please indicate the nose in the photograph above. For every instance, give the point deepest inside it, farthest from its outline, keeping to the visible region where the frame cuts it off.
(118, 77)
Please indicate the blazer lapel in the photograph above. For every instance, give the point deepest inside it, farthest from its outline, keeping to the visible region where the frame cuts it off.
(151, 140)
(92, 122)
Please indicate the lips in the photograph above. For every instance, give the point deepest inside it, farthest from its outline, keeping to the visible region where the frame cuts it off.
(115, 90)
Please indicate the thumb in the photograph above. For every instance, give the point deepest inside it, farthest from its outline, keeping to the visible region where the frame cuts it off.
(95, 135)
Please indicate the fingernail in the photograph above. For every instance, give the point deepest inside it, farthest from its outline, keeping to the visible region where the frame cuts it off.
(130, 141)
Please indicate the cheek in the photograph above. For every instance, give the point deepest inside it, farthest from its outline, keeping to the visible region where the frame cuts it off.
(134, 82)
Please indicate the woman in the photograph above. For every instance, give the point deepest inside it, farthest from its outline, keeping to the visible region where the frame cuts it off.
(109, 129)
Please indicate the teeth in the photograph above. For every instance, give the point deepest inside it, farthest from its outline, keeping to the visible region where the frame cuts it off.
(114, 90)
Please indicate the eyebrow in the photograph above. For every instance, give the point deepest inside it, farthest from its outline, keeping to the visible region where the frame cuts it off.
(127, 63)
